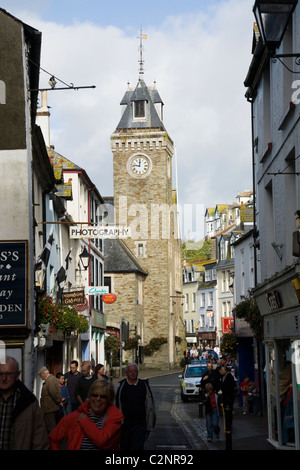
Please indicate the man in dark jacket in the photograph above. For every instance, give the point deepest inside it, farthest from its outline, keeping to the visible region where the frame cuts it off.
(210, 376)
(71, 379)
(22, 422)
(227, 386)
(134, 398)
(85, 382)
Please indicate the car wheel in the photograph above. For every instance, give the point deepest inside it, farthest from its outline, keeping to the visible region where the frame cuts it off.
(184, 398)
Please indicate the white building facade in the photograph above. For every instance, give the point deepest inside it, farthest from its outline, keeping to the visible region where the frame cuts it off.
(276, 148)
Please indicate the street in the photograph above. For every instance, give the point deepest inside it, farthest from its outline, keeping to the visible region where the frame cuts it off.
(179, 428)
(178, 425)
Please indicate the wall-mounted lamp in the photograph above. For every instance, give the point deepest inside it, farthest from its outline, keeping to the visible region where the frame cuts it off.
(272, 18)
(85, 258)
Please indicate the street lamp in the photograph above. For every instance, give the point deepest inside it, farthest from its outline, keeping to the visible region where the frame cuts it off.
(272, 18)
(85, 258)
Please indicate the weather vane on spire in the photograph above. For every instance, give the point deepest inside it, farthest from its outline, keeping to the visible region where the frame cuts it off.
(141, 60)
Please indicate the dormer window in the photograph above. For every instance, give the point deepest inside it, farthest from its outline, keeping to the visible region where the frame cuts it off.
(139, 109)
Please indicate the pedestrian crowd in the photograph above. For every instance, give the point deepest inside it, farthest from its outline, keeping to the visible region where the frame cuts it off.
(220, 387)
(76, 411)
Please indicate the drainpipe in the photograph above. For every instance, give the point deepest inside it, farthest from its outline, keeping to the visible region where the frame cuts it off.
(255, 235)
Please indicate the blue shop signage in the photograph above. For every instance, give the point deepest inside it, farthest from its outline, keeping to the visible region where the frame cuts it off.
(13, 288)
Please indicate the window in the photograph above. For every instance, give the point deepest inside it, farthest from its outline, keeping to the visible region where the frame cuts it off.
(139, 109)
(107, 282)
(194, 301)
(223, 281)
(222, 250)
(186, 302)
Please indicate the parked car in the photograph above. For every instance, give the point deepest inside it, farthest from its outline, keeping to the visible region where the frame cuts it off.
(191, 378)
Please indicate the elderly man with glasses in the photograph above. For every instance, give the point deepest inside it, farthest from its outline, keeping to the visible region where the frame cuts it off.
(22, 425)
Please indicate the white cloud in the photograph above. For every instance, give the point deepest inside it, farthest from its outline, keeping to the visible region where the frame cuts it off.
(199, 63)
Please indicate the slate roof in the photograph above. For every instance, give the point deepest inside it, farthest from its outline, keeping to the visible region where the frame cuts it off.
(119, 259)
(141, 93)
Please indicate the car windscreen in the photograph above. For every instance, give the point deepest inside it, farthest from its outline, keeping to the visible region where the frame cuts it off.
(195, 371)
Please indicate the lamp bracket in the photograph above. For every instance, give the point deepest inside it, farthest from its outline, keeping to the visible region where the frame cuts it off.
(276, 57)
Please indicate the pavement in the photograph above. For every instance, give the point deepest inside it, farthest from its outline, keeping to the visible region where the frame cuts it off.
(248, 432)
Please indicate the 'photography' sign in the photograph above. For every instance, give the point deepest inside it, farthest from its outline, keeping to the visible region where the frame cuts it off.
(13, 260)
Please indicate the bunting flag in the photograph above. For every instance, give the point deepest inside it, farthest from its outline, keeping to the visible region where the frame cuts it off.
(61, 276)
(43, 259)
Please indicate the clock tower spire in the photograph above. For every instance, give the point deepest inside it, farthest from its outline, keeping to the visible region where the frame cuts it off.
(141, 59)
(145, 202)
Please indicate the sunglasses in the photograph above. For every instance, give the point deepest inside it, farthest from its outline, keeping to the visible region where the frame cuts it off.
(98, 395)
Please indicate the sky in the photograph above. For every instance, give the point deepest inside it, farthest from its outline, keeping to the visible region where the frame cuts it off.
(198, 52)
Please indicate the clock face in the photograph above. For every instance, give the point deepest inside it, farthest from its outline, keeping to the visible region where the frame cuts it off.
(139, 166)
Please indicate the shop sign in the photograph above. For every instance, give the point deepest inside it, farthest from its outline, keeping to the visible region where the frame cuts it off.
(97, 290)
(109, 298)
(73, 298)
(111, 231)
(13, 284)
(274, 300)
(227, 323)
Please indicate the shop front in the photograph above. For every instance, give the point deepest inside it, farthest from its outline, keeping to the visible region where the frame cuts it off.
(278, 302)
(208, 339)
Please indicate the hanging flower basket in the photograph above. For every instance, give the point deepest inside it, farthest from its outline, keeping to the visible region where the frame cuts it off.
(248, 311)
(60, 317)
(131, 343)
(229, 343)
(112, 343)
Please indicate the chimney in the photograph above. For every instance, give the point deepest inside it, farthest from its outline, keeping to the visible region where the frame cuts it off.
(43, 118)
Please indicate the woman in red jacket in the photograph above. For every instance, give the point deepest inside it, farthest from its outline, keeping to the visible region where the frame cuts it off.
(96, 424)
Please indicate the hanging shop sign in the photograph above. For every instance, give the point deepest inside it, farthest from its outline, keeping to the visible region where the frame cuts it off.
(13, 283)
(227, 323)
(111, 231)
(73, 298)
(109, 298)
(274, 300)
(97, 290)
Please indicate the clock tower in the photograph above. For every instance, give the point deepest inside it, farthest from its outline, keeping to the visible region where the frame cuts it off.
(145, 202)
